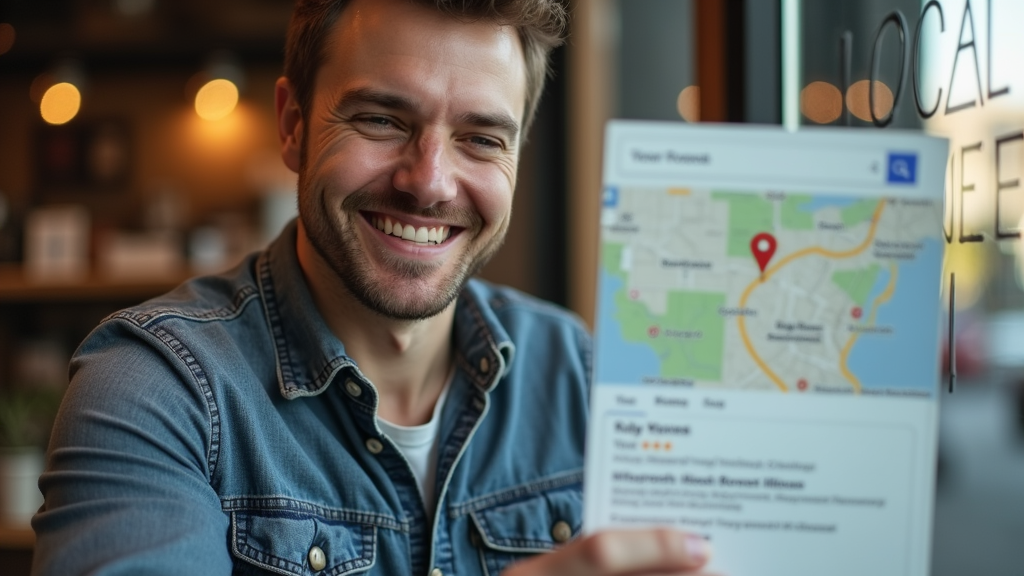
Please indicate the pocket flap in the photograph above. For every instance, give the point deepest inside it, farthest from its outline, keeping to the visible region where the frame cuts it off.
(281, 542)
(534, 524)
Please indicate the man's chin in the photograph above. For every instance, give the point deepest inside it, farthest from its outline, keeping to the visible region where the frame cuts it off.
(399, 295)
(396, 305)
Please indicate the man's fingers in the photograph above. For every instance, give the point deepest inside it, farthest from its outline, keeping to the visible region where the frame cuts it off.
(663, 549)
(622, 552)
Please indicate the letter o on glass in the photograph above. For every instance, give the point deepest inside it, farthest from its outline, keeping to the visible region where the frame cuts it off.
(894, 17)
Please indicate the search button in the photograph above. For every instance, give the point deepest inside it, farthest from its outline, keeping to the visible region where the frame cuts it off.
(902, 168)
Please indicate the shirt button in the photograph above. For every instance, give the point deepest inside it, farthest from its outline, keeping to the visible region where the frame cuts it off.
(485, 364)
(353, 389)
(317, 559)
(374, 446)
(561, 532)
(436, 572)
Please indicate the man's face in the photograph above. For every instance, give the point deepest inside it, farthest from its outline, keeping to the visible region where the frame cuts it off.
(410, 152)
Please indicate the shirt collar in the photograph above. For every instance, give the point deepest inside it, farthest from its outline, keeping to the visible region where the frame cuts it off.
(483, 347)
(309, 355)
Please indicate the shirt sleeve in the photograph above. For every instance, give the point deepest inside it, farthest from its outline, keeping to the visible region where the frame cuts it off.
(127, 486)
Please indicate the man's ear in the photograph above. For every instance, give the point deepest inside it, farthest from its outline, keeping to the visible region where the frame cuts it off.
(289, 124)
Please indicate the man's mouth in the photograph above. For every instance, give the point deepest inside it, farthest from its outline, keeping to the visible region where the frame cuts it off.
(420, 235)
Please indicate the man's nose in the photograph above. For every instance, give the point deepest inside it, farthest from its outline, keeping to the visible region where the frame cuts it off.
(427, 172)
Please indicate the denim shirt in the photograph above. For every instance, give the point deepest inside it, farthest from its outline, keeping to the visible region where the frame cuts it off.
(221, 429)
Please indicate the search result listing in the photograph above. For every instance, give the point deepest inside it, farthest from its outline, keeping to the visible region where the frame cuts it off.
(779, 485)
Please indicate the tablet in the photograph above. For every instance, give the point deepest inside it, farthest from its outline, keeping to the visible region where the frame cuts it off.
(767, 333)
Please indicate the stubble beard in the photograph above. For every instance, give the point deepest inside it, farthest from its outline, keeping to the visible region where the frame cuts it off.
(332, 232)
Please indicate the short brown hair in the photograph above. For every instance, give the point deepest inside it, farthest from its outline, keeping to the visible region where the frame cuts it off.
(541, 25)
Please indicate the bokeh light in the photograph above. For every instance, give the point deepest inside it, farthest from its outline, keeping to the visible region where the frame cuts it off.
(857, 100)
(60, 103)
(216, 99)
(821, 102)
(688, 103)
(6, 37)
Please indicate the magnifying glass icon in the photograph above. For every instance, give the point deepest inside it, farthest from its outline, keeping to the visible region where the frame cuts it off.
(900, 168)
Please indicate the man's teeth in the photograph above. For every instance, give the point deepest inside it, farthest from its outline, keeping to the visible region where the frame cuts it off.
(421, 235)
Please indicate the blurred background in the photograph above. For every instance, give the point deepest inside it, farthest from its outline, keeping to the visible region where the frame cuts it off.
(138, 148)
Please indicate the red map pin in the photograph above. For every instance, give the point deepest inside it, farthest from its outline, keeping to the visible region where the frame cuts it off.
(763, 246)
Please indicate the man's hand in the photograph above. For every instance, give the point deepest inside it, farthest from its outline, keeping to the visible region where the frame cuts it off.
(621, 553)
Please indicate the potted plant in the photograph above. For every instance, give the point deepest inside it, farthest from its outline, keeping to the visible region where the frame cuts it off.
(26, 416)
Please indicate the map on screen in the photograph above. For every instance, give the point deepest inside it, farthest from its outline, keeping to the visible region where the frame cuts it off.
(767, 290)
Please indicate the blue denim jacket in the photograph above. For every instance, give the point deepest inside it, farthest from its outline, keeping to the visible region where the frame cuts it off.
(222, 429)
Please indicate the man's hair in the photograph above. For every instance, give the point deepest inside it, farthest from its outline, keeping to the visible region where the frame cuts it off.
(541, 26)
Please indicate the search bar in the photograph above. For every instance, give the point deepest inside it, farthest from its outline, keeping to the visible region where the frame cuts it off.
(763, 165)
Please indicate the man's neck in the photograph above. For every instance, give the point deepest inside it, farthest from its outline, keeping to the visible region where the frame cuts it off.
(408, 361)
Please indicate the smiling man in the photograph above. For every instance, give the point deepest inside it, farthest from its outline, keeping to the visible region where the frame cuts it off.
(350, 400)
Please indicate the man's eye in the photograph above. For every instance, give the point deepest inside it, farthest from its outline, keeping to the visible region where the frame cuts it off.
(378, 121)
(486, 142)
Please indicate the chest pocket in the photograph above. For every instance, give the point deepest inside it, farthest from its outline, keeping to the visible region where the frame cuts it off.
(508, 532)
(303, 545)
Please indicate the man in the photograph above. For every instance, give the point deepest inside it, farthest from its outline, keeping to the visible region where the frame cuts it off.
(348, 401)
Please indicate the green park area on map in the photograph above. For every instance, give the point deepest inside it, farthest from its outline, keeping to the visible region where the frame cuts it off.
(689, 337)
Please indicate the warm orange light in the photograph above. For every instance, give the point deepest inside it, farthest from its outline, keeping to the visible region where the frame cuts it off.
(821, 102)
(60, 103)
(688, 103)
(216, 99)
(6, 37)
(857, 100)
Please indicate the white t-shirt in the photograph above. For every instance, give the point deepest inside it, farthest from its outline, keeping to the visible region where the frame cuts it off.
(419, 445)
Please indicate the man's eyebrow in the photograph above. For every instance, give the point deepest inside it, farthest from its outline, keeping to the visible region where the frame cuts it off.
(372, 96)
(503, 122)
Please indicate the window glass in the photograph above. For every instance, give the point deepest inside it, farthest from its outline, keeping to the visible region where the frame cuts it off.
(952, 68)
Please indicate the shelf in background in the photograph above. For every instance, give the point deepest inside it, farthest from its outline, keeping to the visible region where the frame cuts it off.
(16, 537)
(16, 287)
